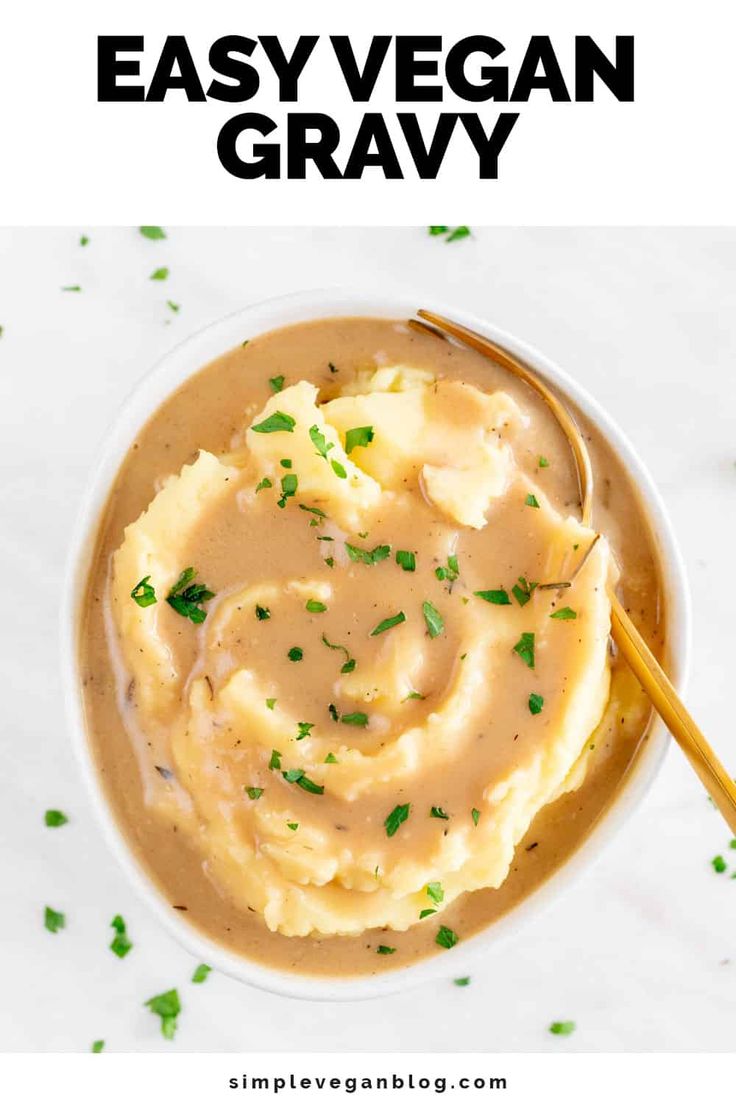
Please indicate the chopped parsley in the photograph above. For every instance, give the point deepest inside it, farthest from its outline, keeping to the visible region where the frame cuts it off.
(433, 619)
(358, 720)
(72, 287)
(263, 613)
(313, 606)
(719, 864)
(270, 703)
(564, 614)
(54, 818)
(435, 231)
(286, 463)
(304, 729)
(338, 469)
(358, 438)
(289, 485)
(295, 654)
(524, 648)
(562, 1027)
(160, 274)
(452, 234)
(531, 500)
(406, 560)
(292, 825)
(254, 792)
(446, 938)
(382, 949)
(396, 818)
(143, 593)
(298, 776)
(330, 758)
(186, 596)
(435, 892)
(461, 982)
(427, 912)
(84, 240)
(274, 762)
(475, 814)
(414, 696)
(449, 573)
(388, 623)
(167, 1006)
(536, 701)
(312, 510)
(98, 1046)
(276, 383)
(349, 664)
(522, 590)
(543, 462)
(275, 423)
(362, 555)
(53, 921)
(438, 813)
(495, 597)
(120, 944)
(173, 306)
(201, 973)
(265, 482)
(153, 233)
(320, 442)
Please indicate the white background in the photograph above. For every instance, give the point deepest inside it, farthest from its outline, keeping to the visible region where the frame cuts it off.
(641, 952)
(666, 158)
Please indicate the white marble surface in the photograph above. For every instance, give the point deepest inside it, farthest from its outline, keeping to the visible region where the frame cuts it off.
(641, 952)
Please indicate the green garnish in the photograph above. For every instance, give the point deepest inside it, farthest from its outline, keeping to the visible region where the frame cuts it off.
(263, 613)
(406, 560)
(274, 762)
(312, 510)
(295, 654)
(330, 758)
(292, 824)
(435, 231)
(414, 696)
(270, 703)
(562, 1027)
(175, 307)
(433, 619)
(143, 593)
(72, 287)
(458, 233)
(153, 233)
(524, 648)
(167, 1006)
(438, 813)
(265, 482)
(475, 814)
(522, 591)
(435, 892)
(388, 623)
(313, 606)
(358, 438)
(201, 973)
(99, 1044)
(289, 484)
(531, 500)
(564, 614)
(359, 720)
(382, 949)
(304, 729)
(732, 845)
(719, 864)
(300, 778)
(320, 442)
(329, 560)
(451, 572)
(276, 384)
(461, 982)
(275, 423)
(53, 921)
(254, 792)
(120, 944)
(396, 818)
(286, 463)
(495, 597)
(446, 938)
(427, 912)
(338, 469)
(349, 664)
(54, 818)
(186, 597)
(84, 240)
(536, 701)
(332, 710)
(362, 555)
(159, 274)
(543, 462)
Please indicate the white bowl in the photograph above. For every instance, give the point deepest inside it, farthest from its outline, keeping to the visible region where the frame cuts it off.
(176, 366)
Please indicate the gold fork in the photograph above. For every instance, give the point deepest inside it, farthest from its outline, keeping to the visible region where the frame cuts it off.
(627, 637)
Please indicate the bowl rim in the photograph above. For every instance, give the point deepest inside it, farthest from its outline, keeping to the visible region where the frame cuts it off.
(168, 372)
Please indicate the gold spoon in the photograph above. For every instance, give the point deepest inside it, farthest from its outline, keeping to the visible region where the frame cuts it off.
(631, 644)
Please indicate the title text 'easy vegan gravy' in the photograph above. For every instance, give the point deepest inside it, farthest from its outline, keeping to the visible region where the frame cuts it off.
(338, 708)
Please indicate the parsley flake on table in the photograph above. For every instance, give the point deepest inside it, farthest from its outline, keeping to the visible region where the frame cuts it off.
(98, 1046)
(564, 614)
(406, 560)
(167, 1006)
(433, 619)
(461, 982)
(358, 438)
(278, 422)
(186, 596)
(121, 944)
(524, 648)
(153, 233)
(159, 274)
(495, 597)
(562, 1027)
(143, 593)
(446, 938)
(719, 864)
(201, 973)
(388, 623)
(396, 818)
(54, 818)
(84, 240)
(175, 307)
(536, 701)
(53, 921)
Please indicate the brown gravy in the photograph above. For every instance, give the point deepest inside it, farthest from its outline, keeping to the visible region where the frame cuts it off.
(207, 412)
